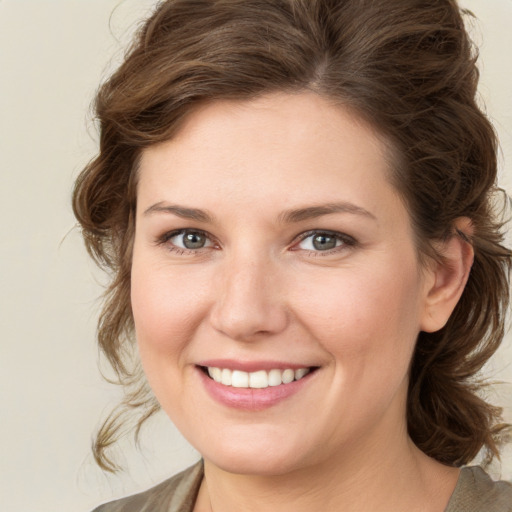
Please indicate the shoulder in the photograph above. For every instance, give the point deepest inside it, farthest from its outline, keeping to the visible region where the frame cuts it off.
(477, 492)
(177, 494)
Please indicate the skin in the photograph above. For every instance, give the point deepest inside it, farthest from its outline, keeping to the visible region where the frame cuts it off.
(258, 291)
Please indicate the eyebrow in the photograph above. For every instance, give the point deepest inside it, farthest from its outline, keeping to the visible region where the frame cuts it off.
(181, 211)
(312, 212)
(287, 217)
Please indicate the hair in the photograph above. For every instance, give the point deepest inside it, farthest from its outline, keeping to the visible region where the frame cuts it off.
(409, 69)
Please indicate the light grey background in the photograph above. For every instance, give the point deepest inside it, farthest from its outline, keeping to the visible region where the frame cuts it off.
(53, 54)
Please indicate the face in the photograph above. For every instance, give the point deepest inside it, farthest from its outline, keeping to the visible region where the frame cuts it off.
(276, 290)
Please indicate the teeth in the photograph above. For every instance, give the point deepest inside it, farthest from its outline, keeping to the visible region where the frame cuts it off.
(288, 376)
(215, 374)
(301, 372)
(256, 380)
(225, 377)
(275, 377)
(239, 379)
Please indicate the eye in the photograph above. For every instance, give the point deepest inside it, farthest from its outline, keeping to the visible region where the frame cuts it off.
(324, 241)
(188, 239)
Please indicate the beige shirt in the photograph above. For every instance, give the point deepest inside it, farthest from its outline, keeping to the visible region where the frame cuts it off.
(475, 492)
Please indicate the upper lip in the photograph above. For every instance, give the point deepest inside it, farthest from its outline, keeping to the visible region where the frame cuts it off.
(252, 366)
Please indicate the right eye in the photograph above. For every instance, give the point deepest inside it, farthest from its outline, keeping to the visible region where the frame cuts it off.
(187, 240)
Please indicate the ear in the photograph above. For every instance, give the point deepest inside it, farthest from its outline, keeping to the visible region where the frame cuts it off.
(447, 277)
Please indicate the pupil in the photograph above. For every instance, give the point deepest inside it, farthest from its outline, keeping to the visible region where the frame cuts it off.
(324, 242)
(193, 241)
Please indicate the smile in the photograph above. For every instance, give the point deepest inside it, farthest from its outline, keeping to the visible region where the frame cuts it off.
(260, 379)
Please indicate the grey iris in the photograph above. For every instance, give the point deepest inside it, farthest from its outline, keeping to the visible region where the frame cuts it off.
(324, 242)
(194, 240)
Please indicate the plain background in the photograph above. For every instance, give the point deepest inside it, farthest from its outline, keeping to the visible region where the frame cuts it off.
(53, 54)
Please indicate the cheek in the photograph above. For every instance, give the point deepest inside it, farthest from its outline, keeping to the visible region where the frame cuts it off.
(166, 307)
(363, 315)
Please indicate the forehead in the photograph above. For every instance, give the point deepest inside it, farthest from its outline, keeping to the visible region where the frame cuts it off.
(280, 149)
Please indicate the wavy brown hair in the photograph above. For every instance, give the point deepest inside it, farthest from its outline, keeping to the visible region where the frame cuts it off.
(405, 66)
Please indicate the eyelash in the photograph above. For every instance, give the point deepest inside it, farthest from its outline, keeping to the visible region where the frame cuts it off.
(164, 240)
(347, 242)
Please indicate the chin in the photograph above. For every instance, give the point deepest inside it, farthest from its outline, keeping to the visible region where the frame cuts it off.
(255, 466)
(251, 458)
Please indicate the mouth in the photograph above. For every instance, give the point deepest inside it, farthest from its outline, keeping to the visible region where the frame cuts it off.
(260, 379)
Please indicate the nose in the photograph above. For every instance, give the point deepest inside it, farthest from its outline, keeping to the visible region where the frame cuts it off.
(248, 301)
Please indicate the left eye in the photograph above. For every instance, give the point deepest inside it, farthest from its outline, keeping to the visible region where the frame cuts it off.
(189, 239)
(321, 241)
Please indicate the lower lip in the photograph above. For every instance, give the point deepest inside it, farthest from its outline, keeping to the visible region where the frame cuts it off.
(250, 399)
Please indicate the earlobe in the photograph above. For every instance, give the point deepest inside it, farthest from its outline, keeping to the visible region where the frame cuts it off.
(448, 276)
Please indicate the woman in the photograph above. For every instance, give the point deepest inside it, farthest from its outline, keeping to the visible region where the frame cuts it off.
(295, 200)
